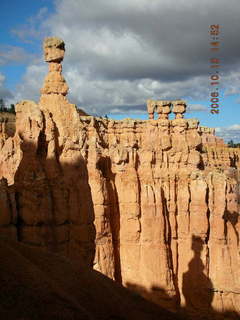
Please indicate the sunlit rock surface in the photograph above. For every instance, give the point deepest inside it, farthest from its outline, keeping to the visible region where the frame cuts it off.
(153, 204)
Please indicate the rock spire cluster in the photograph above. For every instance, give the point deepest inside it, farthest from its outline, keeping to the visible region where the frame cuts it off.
(151, 204)
(163, 108)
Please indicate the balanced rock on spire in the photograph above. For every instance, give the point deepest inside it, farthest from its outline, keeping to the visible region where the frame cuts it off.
(54, 49)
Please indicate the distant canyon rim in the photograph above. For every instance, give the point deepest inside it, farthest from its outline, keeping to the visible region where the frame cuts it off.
(152, 204)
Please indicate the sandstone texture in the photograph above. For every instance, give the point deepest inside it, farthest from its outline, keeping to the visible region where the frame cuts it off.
(151, 204)
(7, 125)
(163, 108)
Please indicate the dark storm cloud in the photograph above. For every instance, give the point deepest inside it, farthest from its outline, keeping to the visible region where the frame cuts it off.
(169, 40)
(121, 53)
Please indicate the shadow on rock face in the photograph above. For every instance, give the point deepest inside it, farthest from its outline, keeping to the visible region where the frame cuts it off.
(54, 204)
(197, 288)
(232, 218)
(182, 312)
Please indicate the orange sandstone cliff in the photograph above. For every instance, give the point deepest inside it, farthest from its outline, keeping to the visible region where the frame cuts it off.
(153, 204)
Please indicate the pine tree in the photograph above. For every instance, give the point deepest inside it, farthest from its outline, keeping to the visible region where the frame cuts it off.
(2, 105)
(12, 108)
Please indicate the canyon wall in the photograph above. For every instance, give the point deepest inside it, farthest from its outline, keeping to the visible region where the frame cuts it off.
(153, 204)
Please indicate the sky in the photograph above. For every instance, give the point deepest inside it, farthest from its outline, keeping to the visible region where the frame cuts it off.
(121, 53)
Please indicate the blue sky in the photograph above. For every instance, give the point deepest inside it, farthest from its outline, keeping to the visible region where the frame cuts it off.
(16, 15)
(117, 56)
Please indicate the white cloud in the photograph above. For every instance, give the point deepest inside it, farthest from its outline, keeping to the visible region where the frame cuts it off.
(234, 127)
(119, 54)
(12, 54)
(2, 78)
(29, 88)
(229, 133)
(231, 82)
(5, 94)
(33, 28)
(196, 107)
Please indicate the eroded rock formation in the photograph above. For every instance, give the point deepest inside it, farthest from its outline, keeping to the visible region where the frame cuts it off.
(152, 204)
(163, 108)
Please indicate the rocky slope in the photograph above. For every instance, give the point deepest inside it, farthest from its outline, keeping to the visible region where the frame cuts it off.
(39, 285)
(152, 204)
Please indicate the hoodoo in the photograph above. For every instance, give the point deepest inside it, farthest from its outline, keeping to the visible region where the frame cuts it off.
(153, 204)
